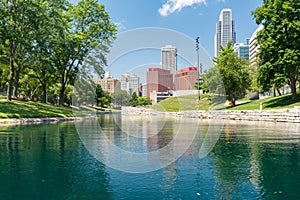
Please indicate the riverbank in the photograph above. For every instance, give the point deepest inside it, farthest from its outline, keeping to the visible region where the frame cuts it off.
(42, 120)
(283, 115)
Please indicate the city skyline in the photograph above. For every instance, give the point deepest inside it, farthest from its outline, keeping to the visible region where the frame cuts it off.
(192, 18)
(196, 20)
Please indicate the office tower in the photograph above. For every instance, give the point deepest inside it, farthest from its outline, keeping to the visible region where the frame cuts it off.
(242, 49)
(253, 46)
(185, 79)
(169, 58)
(225, 30)
(108, 83)
(130, 83)
(159, 80)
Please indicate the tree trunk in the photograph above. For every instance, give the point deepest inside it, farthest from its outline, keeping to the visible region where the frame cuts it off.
(62, 91)
(62, 95)
(274, 91)
(44, 86)
(44, 96)
(16, 80)
(11, 73)
(278, 91)
(293, 88)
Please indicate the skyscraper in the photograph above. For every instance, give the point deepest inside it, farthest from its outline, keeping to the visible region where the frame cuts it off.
(225, 30)
(242, 49)
(130, 83)
(108, 83)
(169, 58)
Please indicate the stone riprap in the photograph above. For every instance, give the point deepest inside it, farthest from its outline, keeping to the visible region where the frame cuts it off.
(282, 115)
(21, 121)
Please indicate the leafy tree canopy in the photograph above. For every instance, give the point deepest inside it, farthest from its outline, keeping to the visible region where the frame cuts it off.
(234, 73)
(279, 53)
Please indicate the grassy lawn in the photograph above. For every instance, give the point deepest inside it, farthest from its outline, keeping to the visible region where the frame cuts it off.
(190, 102)
(29, 109)
(271, 103)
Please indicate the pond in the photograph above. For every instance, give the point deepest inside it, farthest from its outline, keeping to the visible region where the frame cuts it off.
(165, 160)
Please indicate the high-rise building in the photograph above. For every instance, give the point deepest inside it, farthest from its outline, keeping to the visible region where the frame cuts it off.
(130, 83)
(186, 78)
(253, 46)
(169, 58)
(108, 83)
(159, 80)
(225, 30)
(242, 49)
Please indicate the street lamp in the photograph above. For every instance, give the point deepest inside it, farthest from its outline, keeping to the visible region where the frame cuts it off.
(197, 49)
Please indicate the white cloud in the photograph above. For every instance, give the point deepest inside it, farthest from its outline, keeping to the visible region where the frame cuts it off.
(176, 5)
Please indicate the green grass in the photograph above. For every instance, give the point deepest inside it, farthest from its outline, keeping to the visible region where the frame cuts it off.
(29, 109)
(190, 102)
(271, 103)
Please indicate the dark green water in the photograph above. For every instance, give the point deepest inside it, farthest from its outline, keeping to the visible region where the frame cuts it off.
(249, 161)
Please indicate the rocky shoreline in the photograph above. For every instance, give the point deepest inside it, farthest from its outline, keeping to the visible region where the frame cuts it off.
(42, 120)
(283, 115)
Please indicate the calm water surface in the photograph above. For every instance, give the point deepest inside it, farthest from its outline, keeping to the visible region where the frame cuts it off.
(249, 161)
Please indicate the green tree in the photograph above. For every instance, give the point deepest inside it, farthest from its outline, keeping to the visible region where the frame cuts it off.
(16, 28)
(89, 26)
(202, 85)
(120, 98)
(234, 72)
(4, 76)
(212, 81)
(134, 99)
(4, 69)
(143, 101)
(49, 22)
(26, 27)
(30, 86)
(102, 97)
(279, 41)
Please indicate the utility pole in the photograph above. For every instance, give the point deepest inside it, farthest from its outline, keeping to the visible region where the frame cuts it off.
(197, 49)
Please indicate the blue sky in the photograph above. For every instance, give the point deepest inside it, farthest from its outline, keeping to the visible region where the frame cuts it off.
(191, 17)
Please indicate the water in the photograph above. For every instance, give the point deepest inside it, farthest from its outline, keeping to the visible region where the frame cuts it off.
(249, 161)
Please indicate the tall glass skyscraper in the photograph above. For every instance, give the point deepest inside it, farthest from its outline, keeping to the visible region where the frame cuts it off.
(225, 30)
(242, 49)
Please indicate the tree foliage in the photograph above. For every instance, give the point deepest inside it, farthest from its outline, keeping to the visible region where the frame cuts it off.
(102, 97)
(279, 41)
(143, 101)
(120, 98)
(43, 43)
(134, 99)
(234, 73)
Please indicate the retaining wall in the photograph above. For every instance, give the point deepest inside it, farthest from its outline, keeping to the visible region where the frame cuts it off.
(283, 115)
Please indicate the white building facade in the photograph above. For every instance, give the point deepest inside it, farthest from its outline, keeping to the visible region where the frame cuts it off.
(130, 83)
(253, 46)
(169, 58)
(225, 31)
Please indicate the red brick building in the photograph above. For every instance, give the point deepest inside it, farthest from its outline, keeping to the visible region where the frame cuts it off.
(186, 78)
(159, 80)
